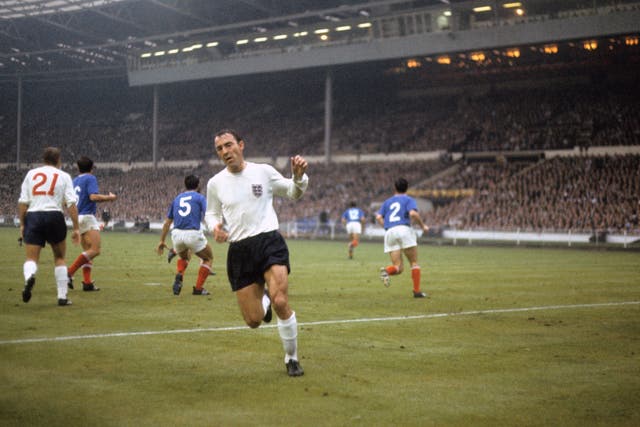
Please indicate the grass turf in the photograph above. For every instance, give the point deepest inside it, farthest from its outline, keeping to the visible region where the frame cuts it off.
(134, 354)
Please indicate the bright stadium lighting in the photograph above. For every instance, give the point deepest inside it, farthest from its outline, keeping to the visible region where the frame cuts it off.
(321, 31)
(512, 5)
(260, 39)
(280, 37)
(444, 60)
(631, 41)
(159, 53)
(196, 46)
(173, 51)
(513, 53)
(364, 25)
(590, 45)
(243, 41)
(447, 13)
(301, 34)
(145, 55)
(477, 56)
(212, 44)
(344, 28)
(482, 9)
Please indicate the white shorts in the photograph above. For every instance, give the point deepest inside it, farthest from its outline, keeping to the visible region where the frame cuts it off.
(354, 227)
(188, 239)
(88, 222)
(399, 237)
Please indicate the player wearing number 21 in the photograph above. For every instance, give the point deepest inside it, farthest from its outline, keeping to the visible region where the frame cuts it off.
(45, 191)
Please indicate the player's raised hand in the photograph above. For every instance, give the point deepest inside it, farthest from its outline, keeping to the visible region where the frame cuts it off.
(298, 166)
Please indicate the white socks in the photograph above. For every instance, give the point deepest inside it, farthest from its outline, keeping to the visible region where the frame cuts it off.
(265, 302)
(288, 330)
(30, 268)
(62, 280)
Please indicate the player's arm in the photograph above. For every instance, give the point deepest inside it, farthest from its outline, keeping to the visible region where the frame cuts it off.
(163, 235)
(102, 197)
(213, 215)
(300, 178)
(72, 210)
(415, 217)
(295, 187)
(22, 213)
(71, 200)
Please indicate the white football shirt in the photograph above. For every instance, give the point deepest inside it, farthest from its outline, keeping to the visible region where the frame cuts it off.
(47, 188)
(245, 199)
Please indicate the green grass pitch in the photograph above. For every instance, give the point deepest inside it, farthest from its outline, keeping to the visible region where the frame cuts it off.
(510, 336)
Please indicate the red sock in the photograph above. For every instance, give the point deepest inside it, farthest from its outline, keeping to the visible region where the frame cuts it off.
(86, 272)
(203, 273)
(182, 265)
(79, 262)
(415, 276)
(392, 269)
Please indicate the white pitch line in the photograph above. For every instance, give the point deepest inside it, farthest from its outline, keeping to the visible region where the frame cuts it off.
(321, 322)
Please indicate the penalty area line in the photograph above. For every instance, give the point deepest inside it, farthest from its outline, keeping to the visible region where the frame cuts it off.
(321, 322)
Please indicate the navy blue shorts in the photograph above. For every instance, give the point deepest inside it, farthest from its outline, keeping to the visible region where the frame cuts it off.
(41, 227)
(248, 259)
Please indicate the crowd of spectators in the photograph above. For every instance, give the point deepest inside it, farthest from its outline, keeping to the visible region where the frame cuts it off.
(533, 117)
(581, 194)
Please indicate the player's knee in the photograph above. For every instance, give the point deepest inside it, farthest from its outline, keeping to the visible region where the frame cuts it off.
(252, 321)
(253, 324)
(280, 302)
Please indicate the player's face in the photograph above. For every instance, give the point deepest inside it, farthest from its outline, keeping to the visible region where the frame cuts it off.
(230, 151)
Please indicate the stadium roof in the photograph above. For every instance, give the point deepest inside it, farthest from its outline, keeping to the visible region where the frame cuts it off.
(43, 40)
(80, 38)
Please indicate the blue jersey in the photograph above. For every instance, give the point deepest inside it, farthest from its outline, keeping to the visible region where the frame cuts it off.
(353, 214)
(85, 185)
(395, 210)
(187, 210)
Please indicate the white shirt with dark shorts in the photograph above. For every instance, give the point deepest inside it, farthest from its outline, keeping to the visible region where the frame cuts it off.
(46, 190)
(244, 202)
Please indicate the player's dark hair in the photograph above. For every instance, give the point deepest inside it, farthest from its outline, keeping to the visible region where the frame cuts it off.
(191, 182)
(353, 204)
(51, 156)
(232, 132)
(401, 185)
(85, 164)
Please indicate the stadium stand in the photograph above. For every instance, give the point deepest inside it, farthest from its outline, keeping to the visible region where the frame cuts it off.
(516, 184)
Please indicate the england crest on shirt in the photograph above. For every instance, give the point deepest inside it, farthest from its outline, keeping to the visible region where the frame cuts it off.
(256, 189)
